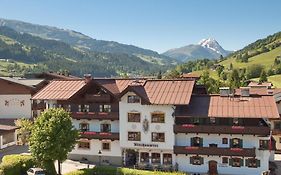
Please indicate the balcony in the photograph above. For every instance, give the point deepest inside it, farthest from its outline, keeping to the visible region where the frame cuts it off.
(243, 152)
(105, 98)
(100, 135)
(95, 115)
(217, 129)
(38, 106)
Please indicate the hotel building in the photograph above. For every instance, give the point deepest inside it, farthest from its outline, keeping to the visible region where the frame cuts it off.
(167, 124)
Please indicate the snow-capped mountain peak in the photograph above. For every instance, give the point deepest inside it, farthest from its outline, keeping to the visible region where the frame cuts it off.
(212, 44)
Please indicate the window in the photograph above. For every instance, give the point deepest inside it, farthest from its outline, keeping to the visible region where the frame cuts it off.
(157, 118)
(105, 128)
(196, 160)
(83, 108)
(105, 108)
(134, 136)
(235, 121)
(196, 121)
(279, 139)
(252, 163)
(68, 108)
(264, 144)
(225, 160)
(224, 140)
(158, 137)
(133, 99)
(106, 146)
(236, 143)
(212, 120)
(84, 127)
(167, 159)
(236, 162)
(144, 157)
(84, 145)
(196, 141)
(155, 157)
(277, 125)
(133, 117)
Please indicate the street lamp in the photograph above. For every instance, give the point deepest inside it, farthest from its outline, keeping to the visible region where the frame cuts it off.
(99, 153)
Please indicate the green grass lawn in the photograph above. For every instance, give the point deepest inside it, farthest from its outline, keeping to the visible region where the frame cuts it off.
(108, 170)
(212, 73)
(5, 64)
(265, 59)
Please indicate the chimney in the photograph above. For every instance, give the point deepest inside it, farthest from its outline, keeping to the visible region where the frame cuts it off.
(224, 91)
(88, 78)
(245, 91)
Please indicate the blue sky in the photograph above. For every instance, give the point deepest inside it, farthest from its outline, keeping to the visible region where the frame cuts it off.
(155, 24)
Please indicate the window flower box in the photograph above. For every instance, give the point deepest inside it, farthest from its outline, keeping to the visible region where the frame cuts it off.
(191, 147)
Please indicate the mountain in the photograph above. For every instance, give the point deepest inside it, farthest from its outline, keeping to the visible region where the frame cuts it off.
(25, 53)
(84, 42)
(206, 48)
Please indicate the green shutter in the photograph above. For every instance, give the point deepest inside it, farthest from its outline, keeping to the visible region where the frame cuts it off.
(191, 160)
(258, 163)
(191, 141)
(201, 142)
(246, 162)
(201, 160)
(230, 143)
(230, 161)
(241, 143)
(241, 162)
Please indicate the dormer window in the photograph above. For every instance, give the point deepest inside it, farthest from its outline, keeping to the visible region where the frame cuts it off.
(133, 99)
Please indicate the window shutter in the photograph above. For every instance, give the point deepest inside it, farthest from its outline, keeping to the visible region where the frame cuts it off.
(241, 162)
(201, 141)
(241, 143)
(231, 143)
(191, 141)
(258, 163)
(191, 160)
(230, 161)
(246, 162)
(201, 160)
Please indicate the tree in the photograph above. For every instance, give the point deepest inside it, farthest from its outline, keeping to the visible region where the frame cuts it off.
(52, 137)
(25, 127)
(263, 77)
(230, 66)
(219, 70)
(234, 79)
(159, 76)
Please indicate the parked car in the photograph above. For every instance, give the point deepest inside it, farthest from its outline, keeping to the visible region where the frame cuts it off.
(35, 171)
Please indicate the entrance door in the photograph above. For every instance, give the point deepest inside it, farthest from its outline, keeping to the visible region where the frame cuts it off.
(213, 168)
(131, 157)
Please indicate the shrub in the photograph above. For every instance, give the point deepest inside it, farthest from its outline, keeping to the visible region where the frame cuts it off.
(16, 164)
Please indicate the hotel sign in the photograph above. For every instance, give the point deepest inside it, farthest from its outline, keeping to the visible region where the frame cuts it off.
(146, 145)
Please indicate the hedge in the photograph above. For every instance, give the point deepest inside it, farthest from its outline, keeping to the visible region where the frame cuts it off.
(108, 170)
(16, 164)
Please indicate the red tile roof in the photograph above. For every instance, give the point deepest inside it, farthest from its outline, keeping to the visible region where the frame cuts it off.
(257, 84)
(163, 92)
(60, 89)
(236, 107)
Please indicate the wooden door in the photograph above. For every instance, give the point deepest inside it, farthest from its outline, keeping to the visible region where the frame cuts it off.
(213, 168)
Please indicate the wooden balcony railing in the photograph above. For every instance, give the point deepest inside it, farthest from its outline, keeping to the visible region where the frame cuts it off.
(38, 106)
(95, 115)
(217, 129)
(98, 97)
(99, 135)
(244, 152)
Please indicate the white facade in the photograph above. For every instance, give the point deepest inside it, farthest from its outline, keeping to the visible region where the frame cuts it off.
(146, 111)
(15, 106)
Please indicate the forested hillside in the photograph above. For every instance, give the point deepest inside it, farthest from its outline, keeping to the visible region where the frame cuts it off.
(45, 54)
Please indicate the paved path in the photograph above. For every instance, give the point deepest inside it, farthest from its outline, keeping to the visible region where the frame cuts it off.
(15, 149)
(69, 166)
